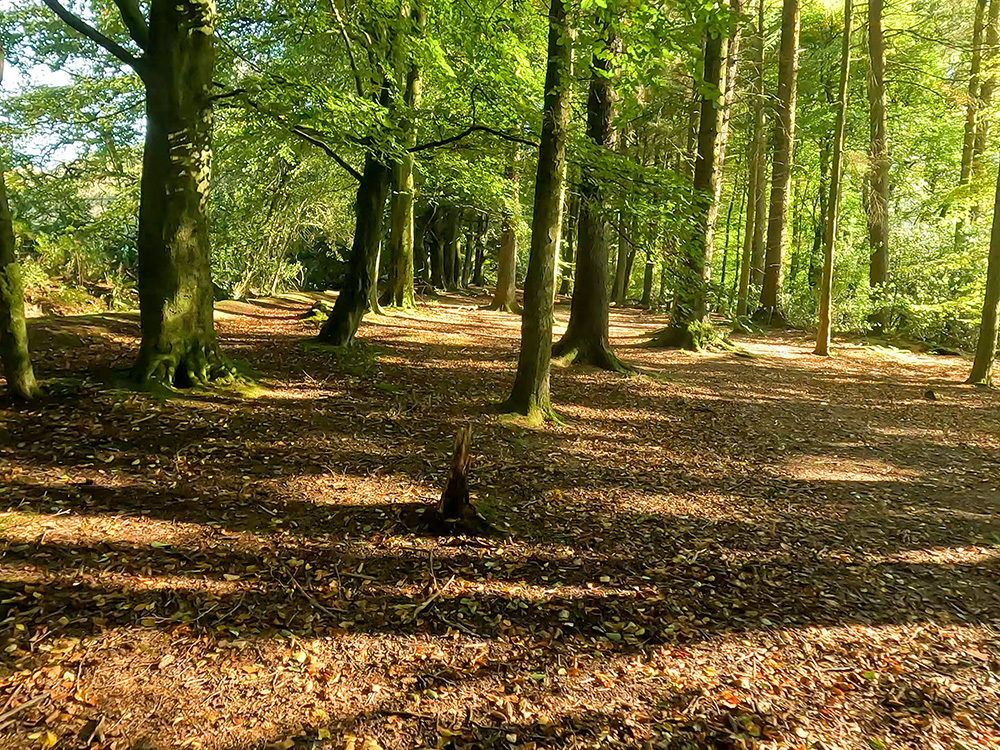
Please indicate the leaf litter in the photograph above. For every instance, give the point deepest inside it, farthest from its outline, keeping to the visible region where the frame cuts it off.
(776, 552)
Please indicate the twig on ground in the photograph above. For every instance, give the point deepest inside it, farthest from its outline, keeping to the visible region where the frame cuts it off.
(312, 600)
(430, 599)
(23, 707)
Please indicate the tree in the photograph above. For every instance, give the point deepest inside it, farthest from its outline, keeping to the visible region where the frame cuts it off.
(751, 265)
(771, 309)
(530, 393)
(13, 332)
(401, 202)
(176, 63)
(690, 313)
(982, 366)
(505, 294)
(586, 338)
(878, 179)
(833, 206)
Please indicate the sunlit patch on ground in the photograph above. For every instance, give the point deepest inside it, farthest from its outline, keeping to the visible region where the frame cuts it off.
(770, 552)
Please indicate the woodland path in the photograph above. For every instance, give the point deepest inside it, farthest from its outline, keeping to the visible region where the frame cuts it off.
(777, 551)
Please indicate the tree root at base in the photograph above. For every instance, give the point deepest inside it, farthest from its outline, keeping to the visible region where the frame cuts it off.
(183, 366)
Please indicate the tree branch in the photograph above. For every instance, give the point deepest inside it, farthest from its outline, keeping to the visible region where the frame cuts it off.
(134, 21)
(302, 133)
(77, 23)
(350, 49)
(468, 131)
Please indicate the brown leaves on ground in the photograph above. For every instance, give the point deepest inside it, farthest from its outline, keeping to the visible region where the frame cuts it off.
(777, 552)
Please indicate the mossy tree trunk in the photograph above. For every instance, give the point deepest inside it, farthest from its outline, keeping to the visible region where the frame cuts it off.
(570, 238)
(178, 345)
(833, 206)
(530, 393)
(771, 309)
(986, 348)
(13, 331)
(586, 338)
(435, 235)
(352, 302)
(401, 232)
(477, 269)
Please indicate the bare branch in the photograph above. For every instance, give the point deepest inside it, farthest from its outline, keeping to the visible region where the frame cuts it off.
(134, 21)
(77, 23)
(468, 131)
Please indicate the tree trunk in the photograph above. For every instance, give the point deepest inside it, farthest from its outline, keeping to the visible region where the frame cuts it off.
(401, 250)
(178, 346)
(477, 270)
(13, 332)
(436, 237)
(586, 338)
(421, 268)
(470, 250)
(833, 205)
(449, 246)
(771, 309)
(972, 106)
(530, 393)
(986, 348)
(752, 262)
(620, 288)
(988, 86)
(878, 179)
(571, 232)
(505, 296)
(647, 282)
(349, 309)
(691, 310)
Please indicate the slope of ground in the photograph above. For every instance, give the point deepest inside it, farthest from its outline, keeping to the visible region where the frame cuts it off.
(776, 552)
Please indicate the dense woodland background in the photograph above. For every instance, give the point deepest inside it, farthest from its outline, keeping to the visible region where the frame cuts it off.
(305, 97)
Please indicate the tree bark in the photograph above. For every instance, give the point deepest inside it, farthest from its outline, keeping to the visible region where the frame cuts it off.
(505, 295)
(571, 232)
(436, 237)
(823, 333)
(14, 351)
(752, 262)
(178, 346)
(771, 309)
(878, 179)
(972, 105)
(586, 338)
(349, 309)
(530, 393)
(477, 270)
(988, 85)
(982, 366)
(470, 250)
(401, 249)
(691, 309)
(620, 285)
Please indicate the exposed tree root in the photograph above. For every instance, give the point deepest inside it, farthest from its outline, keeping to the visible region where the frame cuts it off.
(185, 364)
(575, 353)
(510, 307)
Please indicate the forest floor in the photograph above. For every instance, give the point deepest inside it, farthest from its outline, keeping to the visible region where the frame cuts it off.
(766, 551)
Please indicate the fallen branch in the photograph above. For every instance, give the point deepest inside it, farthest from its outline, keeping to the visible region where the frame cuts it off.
(430, 599)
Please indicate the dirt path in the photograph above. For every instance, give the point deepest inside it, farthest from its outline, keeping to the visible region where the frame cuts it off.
(777, 551)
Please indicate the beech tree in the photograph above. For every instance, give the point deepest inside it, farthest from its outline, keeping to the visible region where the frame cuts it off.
(878, 179)
(833, 207)
(781, 170)
(982, 366)
(14, 352)
(175, 64)
(530, 393)
(586, 338)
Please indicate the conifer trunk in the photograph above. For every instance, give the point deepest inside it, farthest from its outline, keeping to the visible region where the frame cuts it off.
(530, 393)
(781, 170)
(833, 206)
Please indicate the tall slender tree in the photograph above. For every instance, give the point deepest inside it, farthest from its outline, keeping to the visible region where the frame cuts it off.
(781, 171)
(530, 393)
(833, 206)
(878, 175)
(986, 347)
